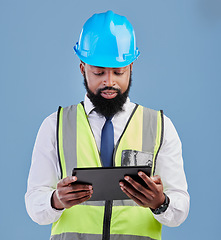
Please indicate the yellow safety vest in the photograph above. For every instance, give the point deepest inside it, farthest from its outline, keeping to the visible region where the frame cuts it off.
(118, 219)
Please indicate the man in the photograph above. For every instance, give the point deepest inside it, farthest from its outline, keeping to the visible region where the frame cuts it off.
(74, 137)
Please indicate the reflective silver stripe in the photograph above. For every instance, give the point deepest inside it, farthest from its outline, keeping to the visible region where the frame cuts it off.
(129, 237)
(149, 129)
(83, 236)
(93, 203)
(126, 202)
(69, 137)
(76, 236)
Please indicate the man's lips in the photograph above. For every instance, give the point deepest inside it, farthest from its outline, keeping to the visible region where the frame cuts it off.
(108, 94)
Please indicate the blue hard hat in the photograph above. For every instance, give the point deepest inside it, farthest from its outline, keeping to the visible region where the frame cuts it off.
(107, 40)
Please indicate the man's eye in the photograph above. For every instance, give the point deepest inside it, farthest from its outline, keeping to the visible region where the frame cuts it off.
(118, 73)
(98, 74)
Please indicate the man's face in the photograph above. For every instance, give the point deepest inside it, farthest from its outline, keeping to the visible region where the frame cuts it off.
(107, 88)
(99, 78)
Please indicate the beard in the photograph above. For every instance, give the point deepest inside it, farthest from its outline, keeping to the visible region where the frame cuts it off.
(108, 107)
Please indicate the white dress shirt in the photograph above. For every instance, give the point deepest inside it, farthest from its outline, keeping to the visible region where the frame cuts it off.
(45, 170)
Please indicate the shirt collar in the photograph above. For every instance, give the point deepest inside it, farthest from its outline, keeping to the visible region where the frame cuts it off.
(89, 107)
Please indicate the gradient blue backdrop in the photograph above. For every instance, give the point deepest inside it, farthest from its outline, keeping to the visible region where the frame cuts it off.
(179, 71)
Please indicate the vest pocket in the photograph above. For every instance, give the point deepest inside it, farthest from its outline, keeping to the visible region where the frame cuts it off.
(136, 158)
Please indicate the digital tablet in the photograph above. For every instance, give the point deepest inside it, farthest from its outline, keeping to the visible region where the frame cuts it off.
(105, 181)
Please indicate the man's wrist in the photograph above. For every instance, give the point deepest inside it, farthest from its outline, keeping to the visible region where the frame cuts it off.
(55, 202)
(163, 207)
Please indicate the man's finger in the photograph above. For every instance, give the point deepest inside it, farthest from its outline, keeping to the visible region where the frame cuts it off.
(137, 190)
(156, 179)
(131, 196)
(150, 183)
(79, 187)
(137, 186)
(66, 181)
(75, 196)
(78, 201)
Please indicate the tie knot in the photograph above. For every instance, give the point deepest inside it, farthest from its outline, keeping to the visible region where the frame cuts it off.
(109, 118)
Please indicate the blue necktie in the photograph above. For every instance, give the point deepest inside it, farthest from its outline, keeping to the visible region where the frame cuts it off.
(107, 143)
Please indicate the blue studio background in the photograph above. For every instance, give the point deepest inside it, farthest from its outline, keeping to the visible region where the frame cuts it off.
(179, 71)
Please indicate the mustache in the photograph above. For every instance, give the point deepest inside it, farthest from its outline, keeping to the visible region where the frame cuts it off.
(108, 88)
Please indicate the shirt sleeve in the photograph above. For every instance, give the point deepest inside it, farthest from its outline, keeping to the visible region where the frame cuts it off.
(44, 174)
(169, 166)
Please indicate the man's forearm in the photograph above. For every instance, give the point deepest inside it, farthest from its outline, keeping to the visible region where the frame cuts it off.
(38, 205)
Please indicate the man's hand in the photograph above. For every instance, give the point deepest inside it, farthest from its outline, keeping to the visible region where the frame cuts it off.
(151, 197)
(70, 193)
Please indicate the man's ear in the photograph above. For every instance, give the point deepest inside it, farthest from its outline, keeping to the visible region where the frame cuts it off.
(82, 68)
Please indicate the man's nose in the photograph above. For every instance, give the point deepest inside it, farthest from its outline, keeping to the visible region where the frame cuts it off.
(109, 79)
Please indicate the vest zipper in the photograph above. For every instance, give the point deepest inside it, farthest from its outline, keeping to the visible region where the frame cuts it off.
(107, 220)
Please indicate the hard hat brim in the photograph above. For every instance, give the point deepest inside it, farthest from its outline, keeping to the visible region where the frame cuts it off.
(104, 61)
